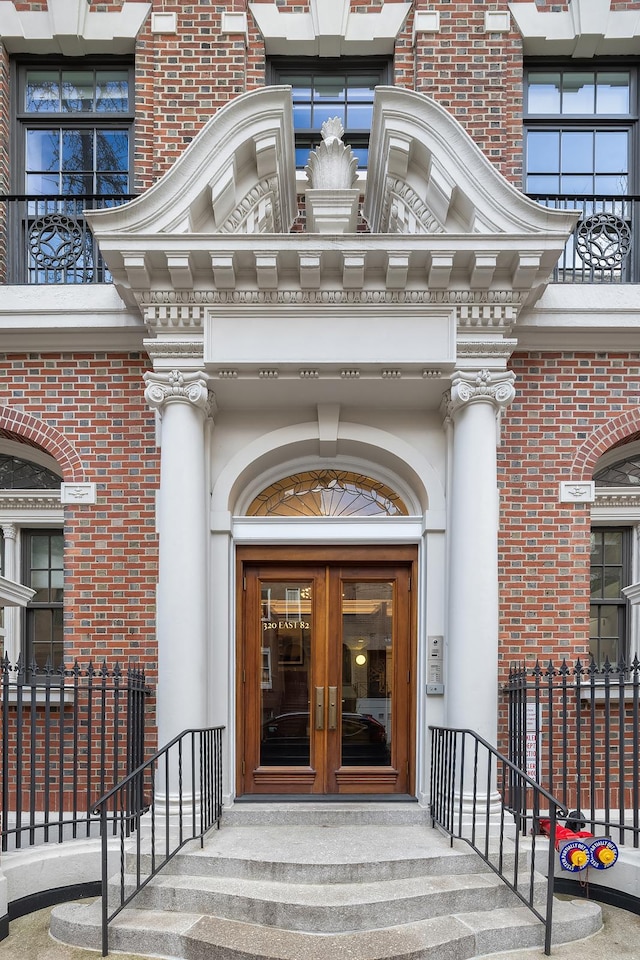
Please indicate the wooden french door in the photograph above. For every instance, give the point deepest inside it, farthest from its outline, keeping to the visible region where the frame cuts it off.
(325, 680)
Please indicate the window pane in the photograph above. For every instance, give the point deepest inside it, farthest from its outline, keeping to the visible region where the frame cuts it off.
(40, 583)
(77, 90)
(362, 153)
(40, 552)
(596, 581)
(612, 93)
(544, 93)
(330, 88)
(112, 150)
(359, 116)
(112, 91)
(57, 551)
(617, 185)
(543, 151)
(77, 150)
(611, 151)
(42, 91)
(613, 546)
(612, 584)
(578, 93)
(302, 116)
(43, 150)
(578, 185)
(301, 83)
(577, 152)
(112, 183)
(543, 184)
(40, 185)
(322, 113)
(362, 88)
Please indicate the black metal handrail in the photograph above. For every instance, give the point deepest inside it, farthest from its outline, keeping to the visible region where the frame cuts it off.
(462, 782)
(194, 755)
(50, 240)
(603, 246)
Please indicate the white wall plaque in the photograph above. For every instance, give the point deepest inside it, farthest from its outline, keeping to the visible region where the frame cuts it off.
(78, 492)
(581, 491)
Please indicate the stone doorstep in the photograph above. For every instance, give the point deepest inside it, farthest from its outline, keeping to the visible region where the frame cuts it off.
(193, 937)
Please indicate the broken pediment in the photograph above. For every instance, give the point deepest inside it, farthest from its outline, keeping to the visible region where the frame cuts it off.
(236, 176)
(440, 215)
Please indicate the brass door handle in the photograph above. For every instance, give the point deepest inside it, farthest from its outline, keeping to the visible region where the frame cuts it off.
(333, 708)
(319, 708)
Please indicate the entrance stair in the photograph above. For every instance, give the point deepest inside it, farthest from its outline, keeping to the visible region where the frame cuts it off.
(306, 881)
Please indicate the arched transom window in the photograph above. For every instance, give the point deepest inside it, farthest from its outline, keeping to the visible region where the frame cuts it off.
(327, 493)
(622, 473)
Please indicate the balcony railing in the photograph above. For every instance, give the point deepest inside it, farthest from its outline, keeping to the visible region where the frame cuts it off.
(49, 241)
(601, 249)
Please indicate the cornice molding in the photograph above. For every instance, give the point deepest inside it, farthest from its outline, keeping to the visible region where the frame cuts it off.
(71, 27)
(587, 28)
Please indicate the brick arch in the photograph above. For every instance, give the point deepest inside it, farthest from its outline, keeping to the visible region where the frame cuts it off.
(622, 429)
(48, 438)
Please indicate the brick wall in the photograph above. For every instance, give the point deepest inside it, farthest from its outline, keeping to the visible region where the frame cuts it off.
(569, 409)
(98, 426)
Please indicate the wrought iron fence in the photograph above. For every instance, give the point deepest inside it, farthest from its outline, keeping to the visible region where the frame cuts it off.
(172, 798)
(466, 773)
(575, 731)
(66, 735)
(601, 248)
(50, 240)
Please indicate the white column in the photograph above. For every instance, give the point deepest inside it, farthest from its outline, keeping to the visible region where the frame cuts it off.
(184, 403)
(477, 399)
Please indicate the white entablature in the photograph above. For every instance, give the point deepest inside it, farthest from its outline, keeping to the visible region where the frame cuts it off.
(445, 226)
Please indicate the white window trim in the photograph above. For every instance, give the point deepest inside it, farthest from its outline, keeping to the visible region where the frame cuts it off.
(616, 507)
(20, 510)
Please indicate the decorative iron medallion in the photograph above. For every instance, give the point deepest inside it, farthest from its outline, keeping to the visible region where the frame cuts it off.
(603, 241)
(55, 241)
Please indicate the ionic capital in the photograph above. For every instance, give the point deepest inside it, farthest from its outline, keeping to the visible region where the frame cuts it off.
(481, 386)
(175, 386)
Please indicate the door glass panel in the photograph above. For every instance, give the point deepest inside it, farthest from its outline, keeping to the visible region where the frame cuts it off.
(367, 672)
(286, 630)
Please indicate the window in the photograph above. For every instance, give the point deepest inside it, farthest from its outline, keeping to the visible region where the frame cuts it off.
(331, 88)
(610, 572)
(580, 133)
(31, 553)
(74, 148)
(44, 573)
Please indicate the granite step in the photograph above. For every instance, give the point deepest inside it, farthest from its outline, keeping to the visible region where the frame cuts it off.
(191, 936)
(326, 908)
